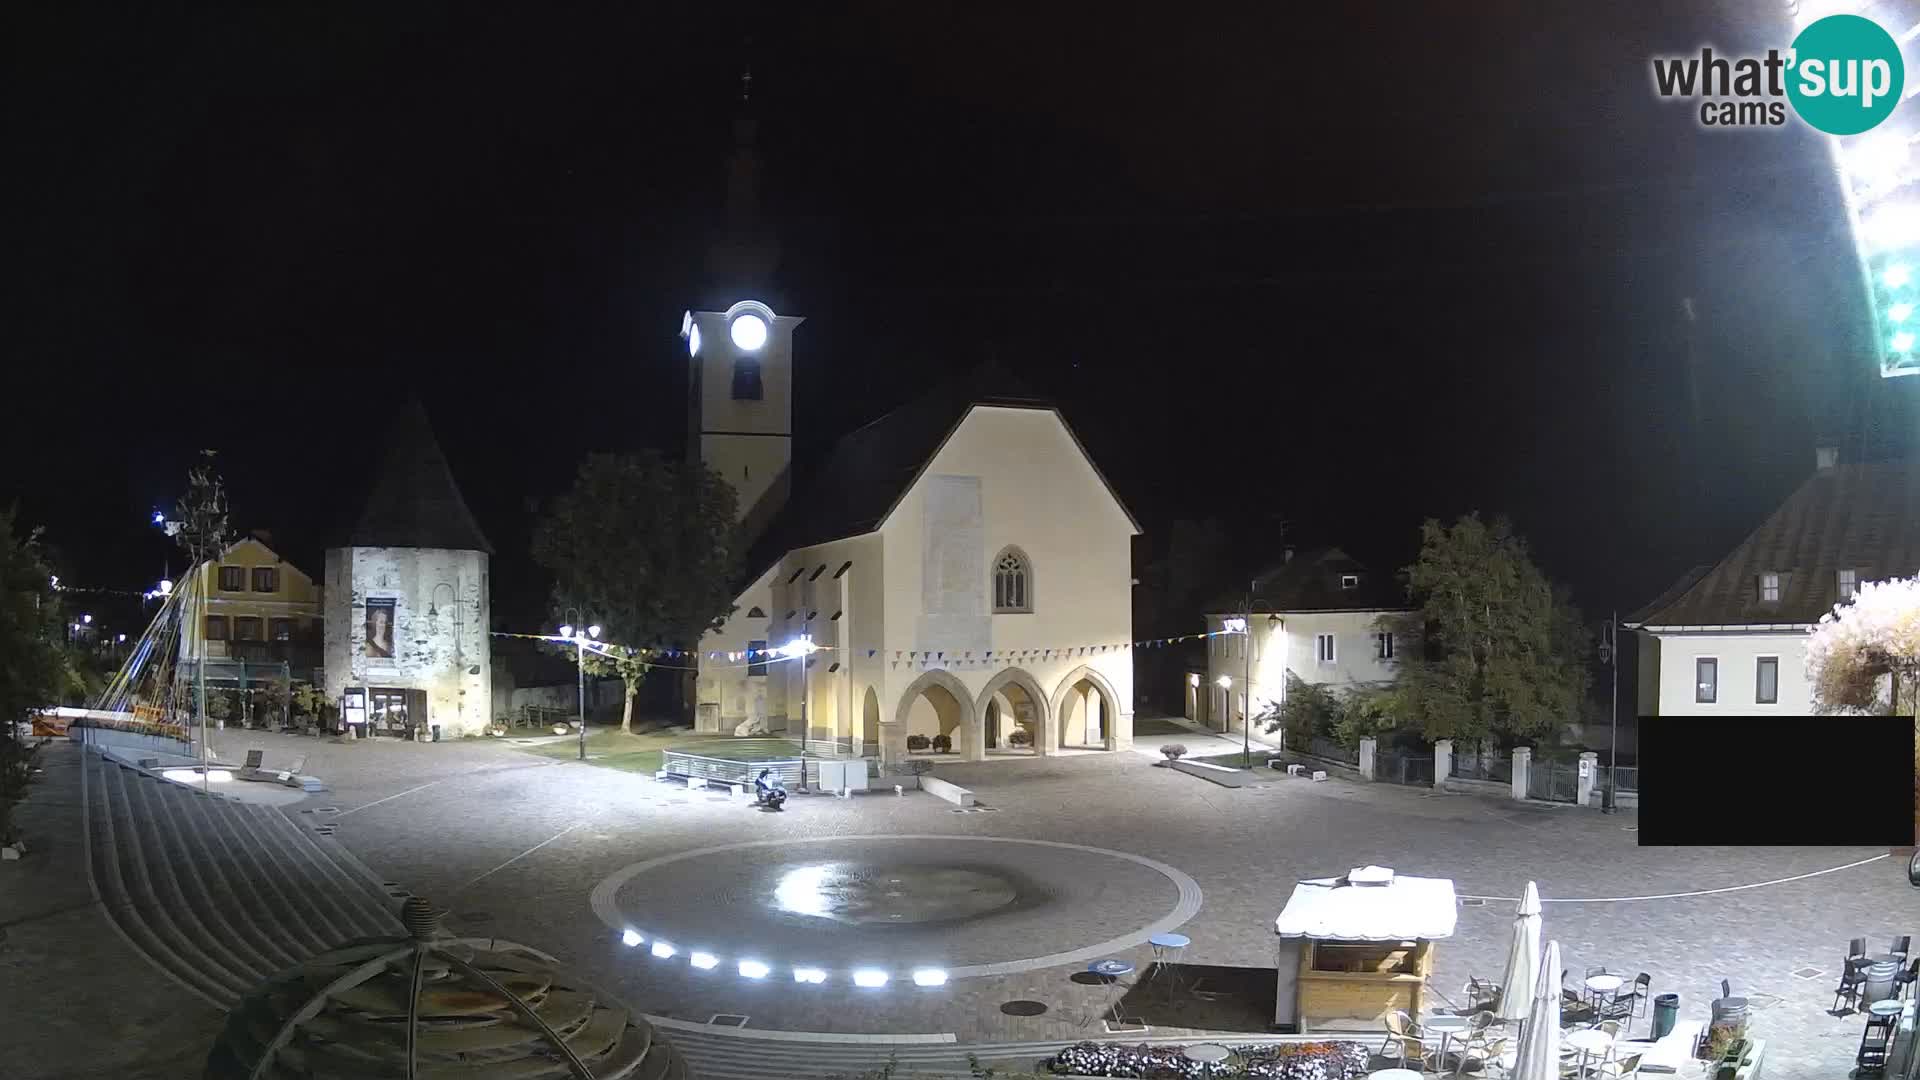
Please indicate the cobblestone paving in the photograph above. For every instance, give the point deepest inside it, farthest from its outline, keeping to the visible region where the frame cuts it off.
(487, 806)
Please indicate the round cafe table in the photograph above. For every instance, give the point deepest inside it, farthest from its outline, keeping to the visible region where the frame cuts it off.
(1446, 1027)
(1590, 1042)
(1207, 1053)
(1110, 972)
(1394, 1074)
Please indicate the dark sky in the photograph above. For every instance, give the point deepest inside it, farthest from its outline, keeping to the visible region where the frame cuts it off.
(1346, 271)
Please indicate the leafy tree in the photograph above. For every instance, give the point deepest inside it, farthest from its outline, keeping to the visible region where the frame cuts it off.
(1495, 647)
(32, 665)
(1865, 653)
(647, 548)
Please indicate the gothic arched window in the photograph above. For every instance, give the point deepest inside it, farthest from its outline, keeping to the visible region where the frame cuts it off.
(1012, 582)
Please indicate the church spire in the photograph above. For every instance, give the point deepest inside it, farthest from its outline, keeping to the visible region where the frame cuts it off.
(744, 257)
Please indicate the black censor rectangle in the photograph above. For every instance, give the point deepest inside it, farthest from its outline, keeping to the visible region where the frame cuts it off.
(1773, 780)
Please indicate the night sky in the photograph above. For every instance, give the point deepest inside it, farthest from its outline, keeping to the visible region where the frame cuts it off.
(1339, 271)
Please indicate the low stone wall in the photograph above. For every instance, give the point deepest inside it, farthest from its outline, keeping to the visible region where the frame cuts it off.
(947, 790)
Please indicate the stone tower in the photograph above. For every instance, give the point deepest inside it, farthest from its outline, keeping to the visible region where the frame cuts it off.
(740, 379)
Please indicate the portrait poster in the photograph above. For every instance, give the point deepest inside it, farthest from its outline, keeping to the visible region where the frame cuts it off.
(380, 629)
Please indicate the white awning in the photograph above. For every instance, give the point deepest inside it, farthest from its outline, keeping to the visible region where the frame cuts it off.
(1407, 909)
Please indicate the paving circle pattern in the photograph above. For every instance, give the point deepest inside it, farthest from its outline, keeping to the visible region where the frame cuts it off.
(965, 905)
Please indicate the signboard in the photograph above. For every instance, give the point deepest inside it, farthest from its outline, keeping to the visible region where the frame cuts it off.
(353, 706)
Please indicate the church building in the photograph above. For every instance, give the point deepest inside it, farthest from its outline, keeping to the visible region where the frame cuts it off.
(406, 599)
(954, 580)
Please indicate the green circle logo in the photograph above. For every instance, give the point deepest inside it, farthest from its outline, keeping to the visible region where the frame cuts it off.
(1847, 74)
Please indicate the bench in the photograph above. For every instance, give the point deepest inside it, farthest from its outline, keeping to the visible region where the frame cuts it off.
(947, 790)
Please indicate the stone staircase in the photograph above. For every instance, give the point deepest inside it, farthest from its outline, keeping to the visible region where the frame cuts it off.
(220, 894)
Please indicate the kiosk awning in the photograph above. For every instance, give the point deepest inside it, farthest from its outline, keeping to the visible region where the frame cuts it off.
(1393, 909)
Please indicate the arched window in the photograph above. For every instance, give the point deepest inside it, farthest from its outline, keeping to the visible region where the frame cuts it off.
(1012, 582)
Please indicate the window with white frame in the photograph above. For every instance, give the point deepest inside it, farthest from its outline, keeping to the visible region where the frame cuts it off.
(1323, 648)
(1769, 588)
(1383, 645)
(1349, 581)
(1848, 584)
(1706, 680)
(1012, 583)
(1766, 680)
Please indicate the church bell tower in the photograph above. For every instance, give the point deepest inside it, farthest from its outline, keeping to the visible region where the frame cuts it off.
(740, 381)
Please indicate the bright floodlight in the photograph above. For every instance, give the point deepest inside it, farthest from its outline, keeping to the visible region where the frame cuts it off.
(1896, 275)
(704, 960)
(929, 977)
(121, 638)
(663, 950)
(800, 646)
(159, 518)
(192, 776)
(1900, 312)
(55, 580)
(88, 619)
(869, 977)
(566, 631)
(809, 975)
(593, 631)
(630, 938)
(693, 340)
(1224, 681)
(1193, 680)
(749, 332)
(754, 969)
(1235, 626)
(1903, 341)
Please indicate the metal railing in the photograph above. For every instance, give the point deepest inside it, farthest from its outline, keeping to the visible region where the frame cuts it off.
(1627, 777)
(1553, 781)
(1333, 750)
(1415, 770)
(1472, 765)
(717, 770)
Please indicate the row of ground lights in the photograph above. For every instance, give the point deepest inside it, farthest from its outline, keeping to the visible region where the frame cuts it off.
(755, 969)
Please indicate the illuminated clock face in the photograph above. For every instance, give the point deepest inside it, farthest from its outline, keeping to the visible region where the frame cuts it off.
(693, 339)
(749, 332)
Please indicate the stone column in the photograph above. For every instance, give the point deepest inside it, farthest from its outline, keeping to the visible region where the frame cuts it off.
(1442, 762)
(1522, 761)
(1367, 745)
(1589, 775)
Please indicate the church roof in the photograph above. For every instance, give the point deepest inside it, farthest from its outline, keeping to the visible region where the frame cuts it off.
(1864, 518)
(870, 470)
(1313, 581)
(415, 503)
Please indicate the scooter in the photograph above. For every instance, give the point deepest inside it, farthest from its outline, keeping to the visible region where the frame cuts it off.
(769, 792)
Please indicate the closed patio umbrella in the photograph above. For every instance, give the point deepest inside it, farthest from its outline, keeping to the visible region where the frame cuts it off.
(1539, 1054)
(1523, 958)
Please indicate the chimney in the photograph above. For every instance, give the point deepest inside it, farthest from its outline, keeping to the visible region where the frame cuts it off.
(1825, 457)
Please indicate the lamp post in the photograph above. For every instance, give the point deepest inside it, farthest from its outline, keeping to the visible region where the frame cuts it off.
(1610, 656)
(579, 639)
(800, 649)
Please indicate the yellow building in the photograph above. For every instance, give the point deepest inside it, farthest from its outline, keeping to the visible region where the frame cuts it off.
(259, 609)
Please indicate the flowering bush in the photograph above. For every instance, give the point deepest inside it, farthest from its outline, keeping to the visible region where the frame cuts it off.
(1174, 751)
(1274, 1061)
(1857, 645)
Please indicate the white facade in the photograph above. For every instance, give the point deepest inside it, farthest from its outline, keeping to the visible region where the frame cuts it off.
(909, 640)
(439, 646)
(1289, 643)
(742, 401)
(1737, 656)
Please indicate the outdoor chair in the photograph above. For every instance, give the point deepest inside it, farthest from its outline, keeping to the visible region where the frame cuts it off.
(1852, 977)
(1900, 946)
(1592, 971)
(254, 758)
(1630, 1001)
(1905, 981)
(1481, 994)
(1404, 1039)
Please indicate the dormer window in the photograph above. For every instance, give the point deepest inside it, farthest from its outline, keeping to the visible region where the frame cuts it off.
(1770, 588)
(1349, 581)
(1847, 584)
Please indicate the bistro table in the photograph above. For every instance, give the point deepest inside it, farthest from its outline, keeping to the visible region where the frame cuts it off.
(1599, 986)
(1446, 1027)
(1110, 972)
(1589, 1042)
(1394, 1074)
(1207, 1053)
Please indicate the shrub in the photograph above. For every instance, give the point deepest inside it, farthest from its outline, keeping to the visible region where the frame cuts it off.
(1174, 751)
(942, 744)
(917, 742)
(1020, 737)
(1281, 1061)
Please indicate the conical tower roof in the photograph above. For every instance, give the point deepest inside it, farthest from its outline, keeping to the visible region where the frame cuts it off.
(415, 503)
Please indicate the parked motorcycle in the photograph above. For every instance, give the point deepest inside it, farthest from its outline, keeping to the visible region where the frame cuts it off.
(768, 792)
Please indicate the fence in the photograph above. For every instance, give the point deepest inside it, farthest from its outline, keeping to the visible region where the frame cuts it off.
(1627, 777)
(1473, 765)
(1412, 769)
(1333, 750)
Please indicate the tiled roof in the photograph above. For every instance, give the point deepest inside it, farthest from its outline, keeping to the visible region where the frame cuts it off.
(415, 503)
(1313, 581)
(1864, 518)
(871, 469)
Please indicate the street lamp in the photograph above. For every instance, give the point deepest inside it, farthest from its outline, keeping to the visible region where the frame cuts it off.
(1610, 656)
(580, 640)
(800, 648)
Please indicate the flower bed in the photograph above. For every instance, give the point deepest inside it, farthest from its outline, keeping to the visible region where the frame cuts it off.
(1267, 1061)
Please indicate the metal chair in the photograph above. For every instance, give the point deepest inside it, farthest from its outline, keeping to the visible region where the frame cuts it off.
(1900, 946)
(1875, 1042)
(1628, 1002)
(1852, 977)
(1481, 994)
(1905, 981)
(1404, 1034)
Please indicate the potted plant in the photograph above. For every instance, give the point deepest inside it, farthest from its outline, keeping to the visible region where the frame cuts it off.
(917, 742)
(1173, 752)
(942, 744)
(1020, 737)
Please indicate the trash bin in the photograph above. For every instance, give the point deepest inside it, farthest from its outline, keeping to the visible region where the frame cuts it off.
(1666, 1011)
(436, 733)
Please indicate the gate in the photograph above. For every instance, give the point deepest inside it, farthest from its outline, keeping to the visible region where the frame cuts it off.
(1414, 770)
(1553, 781)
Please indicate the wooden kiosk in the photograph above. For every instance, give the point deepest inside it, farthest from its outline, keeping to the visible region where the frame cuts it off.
(1354, 949)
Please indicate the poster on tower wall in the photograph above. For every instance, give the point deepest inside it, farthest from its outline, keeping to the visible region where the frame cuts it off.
(380, 628)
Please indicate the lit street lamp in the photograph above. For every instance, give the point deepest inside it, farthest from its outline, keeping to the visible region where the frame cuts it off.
(1610, 656)
(580, 640)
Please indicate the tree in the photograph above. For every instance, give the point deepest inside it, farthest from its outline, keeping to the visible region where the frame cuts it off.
(648, 549)
(33, 666)
(1495, 648)
(1863, 654)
